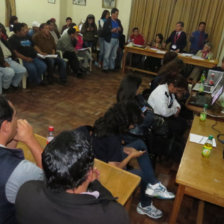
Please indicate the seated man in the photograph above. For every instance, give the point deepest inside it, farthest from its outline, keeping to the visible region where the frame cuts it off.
(45, 45)
(13, 70)
(23, 49)
(177, 38)
(66, 26)
(52, 32)
(66, 45)
(70, 193)
(15, 170)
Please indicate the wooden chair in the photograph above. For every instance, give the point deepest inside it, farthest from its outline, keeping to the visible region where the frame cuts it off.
(119, 182)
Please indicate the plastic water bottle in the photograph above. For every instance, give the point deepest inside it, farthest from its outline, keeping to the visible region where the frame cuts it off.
(50, 136)
(207, 147)
(203, 114)
(202, 81)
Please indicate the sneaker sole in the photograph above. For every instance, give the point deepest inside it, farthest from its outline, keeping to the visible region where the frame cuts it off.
(158, 196)
(139, 211)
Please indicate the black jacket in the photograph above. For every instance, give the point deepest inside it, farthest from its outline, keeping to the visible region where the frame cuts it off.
(36, 204)
(107, 27)
(180, 42)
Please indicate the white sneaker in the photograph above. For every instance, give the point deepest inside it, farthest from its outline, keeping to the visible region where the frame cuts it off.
(150, 211)
(159, 191)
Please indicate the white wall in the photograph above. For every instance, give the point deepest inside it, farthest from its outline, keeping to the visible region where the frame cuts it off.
(37, 10)
(2, 14)
(95, 7)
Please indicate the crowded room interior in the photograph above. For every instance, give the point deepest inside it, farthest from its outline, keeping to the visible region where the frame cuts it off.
(111, 111)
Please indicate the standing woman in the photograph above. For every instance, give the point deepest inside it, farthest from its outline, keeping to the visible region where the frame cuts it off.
(104, 17)
(89, 31)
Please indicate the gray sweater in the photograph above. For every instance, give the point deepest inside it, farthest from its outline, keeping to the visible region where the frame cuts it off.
(65, 43)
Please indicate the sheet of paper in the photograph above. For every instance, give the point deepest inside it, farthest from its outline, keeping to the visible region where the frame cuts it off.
(198, 58)
(160, 52)
(199, 139)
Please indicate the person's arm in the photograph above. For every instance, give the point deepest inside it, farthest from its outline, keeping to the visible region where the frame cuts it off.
(169, 39)
(24, 58)
(183, 41)
(132, 153)
(37, 49)
(192, 37)
(25, 135)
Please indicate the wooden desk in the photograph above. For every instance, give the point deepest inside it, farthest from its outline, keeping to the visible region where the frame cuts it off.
(153, 53)
(199, 177)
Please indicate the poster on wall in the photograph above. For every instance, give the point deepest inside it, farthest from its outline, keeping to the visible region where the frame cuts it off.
(79, 2)
(52, 1)
(109, 4)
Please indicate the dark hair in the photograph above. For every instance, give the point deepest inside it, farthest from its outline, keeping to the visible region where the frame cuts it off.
(2, 28)
(66, 160)
(117, 119)
(49, 22)
(24, 24)
(71, 30)
(12, 19)
(6, 111)
(71, 25)
(68, 18)
(178, 80)
(135, 28)
(175, 66)
(160, 37)
(204, 23)
(105, 12)
(169, 56)
(42, 25)
(86, 24)
(128, 88)
(114, 10)
(17, 27)
(181, 23)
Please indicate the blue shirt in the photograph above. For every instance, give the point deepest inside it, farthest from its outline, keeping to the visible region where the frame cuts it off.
(196, 43)
(114, 24)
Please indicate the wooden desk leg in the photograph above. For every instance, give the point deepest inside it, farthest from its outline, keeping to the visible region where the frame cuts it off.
(177, 204)
(124, 61)
(200, 212)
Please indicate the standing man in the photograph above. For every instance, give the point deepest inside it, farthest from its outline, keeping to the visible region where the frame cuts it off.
(14, 169)
(177, 38)
(112, 30)
(44, 44)
(198, 38)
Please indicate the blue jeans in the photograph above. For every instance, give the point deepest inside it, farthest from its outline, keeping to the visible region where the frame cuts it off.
(19, 70)
(51, 62)
(110, 53)
(101, 43)
(146, 173)
(6, 76)
(35, 69)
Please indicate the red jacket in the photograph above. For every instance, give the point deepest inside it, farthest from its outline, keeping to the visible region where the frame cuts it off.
(137, 39)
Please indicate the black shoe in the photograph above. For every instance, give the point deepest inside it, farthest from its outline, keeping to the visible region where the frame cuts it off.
(62, 82)
(80, 75)
(44, 83)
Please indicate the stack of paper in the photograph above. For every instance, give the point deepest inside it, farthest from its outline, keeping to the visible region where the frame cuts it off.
(199, 139)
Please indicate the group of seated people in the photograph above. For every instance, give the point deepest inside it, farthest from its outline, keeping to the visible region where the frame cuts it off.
(63, 186)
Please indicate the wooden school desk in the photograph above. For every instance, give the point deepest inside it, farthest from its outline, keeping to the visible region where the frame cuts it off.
(200, 177)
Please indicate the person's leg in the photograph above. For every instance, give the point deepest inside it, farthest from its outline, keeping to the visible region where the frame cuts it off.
(72, 60)
(107, 52)
(62, 68)
(33, 76)
(101, 43)
(50, 67)
(195, 74)
(8, 74)
(144, 162)
(113, 55)
(1, 75)
(19, 70)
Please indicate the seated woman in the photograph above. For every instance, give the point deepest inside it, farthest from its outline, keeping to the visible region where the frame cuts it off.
(89, 32)
(107, 146)
(206, 54)
(151, 63)
(164, 103)
(138, 39)
(81, 52)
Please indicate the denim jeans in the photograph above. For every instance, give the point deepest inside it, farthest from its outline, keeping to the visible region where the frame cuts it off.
(6, 76)
(51, 62)
(35, 69)
(146, 173)
(19, 70)
(101, 43)
(110, 53)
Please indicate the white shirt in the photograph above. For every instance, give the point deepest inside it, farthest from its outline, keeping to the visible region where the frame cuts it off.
(162, 102)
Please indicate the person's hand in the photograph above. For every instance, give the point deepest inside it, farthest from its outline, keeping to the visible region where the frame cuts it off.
(24, 131)
(178, 111)
(163, 45)
(133, 152)
(7, 64)
(28, 59)
(177, 51)
(95, 174)
(119, 29)
(114, 30)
